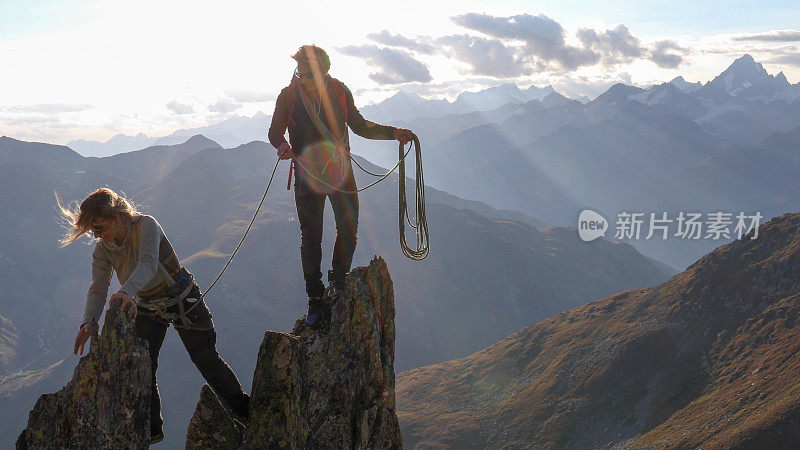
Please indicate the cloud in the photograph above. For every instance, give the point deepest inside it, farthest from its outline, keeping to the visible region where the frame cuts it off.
(615, 46)
(660, 56)
(486, 56)
(46, 108)
(392, 66)
(179, 108)
(543, 37)
(29, 120)
(250, 96)
(420, 45)
(224, 106)
(792, 59)
(771, 36)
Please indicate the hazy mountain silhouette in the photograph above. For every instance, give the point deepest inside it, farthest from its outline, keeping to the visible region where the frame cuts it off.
(405, 106)
(120, 143)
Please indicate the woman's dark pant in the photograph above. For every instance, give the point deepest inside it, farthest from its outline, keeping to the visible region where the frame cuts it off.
(310, 209)
(202, 349)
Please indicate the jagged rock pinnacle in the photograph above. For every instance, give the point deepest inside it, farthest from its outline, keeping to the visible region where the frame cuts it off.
(107, 403)
(331, 388)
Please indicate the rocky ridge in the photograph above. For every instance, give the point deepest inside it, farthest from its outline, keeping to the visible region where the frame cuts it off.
(326, 388)
(107, 403)
(332, 388)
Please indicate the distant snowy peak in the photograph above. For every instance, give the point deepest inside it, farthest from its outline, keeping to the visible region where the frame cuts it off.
(583, 99)
(488, 99)
(747, 79)
(619, 93)
(684, 85)
(497, 96)
(741, 74)
(537, 93)
(406, 106)
(118, 144)
(665, 97)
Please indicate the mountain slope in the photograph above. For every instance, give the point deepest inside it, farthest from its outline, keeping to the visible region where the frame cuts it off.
(147, 165)
(707, 358)
(8, 343)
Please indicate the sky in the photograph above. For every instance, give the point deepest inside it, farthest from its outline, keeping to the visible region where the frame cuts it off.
(83, 69)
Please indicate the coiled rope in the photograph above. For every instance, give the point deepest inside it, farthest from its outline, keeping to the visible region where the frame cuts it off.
(420, 225)
(421, 248)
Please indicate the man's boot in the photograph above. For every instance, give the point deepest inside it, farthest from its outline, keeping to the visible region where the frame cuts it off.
(316, 312)
(336, 287)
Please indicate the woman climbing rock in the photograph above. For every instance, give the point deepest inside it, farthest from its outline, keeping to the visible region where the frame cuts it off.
(135, 247)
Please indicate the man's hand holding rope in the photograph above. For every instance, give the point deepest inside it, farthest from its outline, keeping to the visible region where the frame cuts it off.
(403, 135)
(285, 151)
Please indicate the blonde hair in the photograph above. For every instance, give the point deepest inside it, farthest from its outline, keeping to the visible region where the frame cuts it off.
(100, 204)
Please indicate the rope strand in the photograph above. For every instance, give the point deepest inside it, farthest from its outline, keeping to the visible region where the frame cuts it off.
(246, 231)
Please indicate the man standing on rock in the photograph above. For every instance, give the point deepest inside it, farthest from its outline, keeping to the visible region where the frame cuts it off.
(317, 109)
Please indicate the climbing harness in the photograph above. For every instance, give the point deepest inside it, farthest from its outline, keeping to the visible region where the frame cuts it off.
(177, 293)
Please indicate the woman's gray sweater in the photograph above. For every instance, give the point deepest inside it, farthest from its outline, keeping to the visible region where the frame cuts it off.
(136, 264)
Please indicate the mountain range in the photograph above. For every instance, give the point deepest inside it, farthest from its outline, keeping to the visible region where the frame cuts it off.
(515, 269)
(629, 150)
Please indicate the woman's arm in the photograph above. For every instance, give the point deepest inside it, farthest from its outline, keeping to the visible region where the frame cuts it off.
(98, 290)
(147, 263)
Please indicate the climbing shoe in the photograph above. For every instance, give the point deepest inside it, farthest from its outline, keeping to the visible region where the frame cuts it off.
(335, 289)
(316, 311)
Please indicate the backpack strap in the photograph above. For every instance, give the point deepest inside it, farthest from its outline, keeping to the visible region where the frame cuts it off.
(336, 86)
(339, 90)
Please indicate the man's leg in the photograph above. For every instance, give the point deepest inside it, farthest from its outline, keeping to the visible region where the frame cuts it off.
(202, 348)
(152, 331)
(310, 209)
(345, 210)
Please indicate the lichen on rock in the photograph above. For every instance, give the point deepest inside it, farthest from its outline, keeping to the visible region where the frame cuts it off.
(107, 402)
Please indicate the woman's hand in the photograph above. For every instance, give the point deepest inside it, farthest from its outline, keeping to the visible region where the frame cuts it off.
(403, 135)
(126, 302)
(83, 335)
(285, 151)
